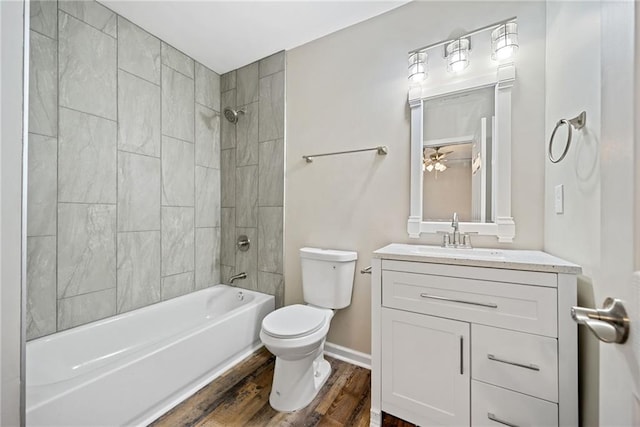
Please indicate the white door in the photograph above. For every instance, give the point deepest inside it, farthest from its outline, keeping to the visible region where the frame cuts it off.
(619, 364)
(591, 50)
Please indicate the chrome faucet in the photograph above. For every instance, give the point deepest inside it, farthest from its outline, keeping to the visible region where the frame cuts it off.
(455, 239)
(237, 277)
(456, 229)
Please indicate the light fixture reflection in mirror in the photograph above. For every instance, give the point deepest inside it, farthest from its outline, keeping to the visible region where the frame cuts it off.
(504, 41)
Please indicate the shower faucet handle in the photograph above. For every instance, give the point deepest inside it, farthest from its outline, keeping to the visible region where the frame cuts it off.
(243, 243)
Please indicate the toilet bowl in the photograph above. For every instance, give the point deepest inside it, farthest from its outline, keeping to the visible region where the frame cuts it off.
(296, 334)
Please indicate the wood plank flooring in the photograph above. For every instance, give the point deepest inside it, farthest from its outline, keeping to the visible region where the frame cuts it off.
(240, 397)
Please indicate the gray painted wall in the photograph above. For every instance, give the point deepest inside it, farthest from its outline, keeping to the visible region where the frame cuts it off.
(252, 160)
(124, 168)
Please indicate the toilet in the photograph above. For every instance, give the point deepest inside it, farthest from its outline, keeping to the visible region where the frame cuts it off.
(295, 334)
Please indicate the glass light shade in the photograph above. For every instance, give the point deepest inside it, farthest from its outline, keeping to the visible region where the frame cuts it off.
(430, 168)
(504, 41)
(417, 67)
(457, 53)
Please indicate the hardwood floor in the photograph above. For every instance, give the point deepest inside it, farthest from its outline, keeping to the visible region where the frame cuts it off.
(240, 397)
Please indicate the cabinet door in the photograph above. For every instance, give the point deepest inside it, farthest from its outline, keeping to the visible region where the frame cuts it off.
(425, 368)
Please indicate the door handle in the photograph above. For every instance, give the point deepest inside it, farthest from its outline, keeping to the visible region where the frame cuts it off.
(609, 323)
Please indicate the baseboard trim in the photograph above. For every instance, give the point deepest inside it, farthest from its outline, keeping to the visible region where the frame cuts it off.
(347, 355)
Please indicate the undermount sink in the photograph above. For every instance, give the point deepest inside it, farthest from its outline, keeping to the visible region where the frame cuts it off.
(467, 253)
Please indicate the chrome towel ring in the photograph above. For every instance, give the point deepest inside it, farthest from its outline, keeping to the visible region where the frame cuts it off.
(577, 122)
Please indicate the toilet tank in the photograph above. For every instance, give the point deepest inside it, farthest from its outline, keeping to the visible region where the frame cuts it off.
(327, 276)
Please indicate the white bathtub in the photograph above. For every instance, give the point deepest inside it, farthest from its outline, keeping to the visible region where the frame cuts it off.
(132, 368)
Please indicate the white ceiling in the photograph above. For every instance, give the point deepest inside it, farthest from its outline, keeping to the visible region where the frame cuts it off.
(225, 35)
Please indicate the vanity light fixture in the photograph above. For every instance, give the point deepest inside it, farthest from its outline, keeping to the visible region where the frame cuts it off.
(504, 41)
(457, 54)
(417, 66)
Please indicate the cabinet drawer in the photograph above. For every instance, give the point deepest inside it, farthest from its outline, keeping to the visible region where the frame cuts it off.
(534, 278)
(495, 406)
(519, 307)
(514, 360)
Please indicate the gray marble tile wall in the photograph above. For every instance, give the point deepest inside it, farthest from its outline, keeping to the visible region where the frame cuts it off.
(124, 197)
(252, 175)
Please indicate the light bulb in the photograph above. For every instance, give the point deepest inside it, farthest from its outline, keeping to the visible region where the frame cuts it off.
(504, 52)
(459, 65)
(417, 73)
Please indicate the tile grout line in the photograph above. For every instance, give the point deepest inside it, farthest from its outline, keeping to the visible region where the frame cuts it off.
(62, 202)
(235, 182)
(178, 71)
(88, 293)
(179, 139)
(45, 35)
(88, 24)
(43, 135)
(183, 54)
(207, 107)
(195, 210)
(116, 149)
(57, 157)
(134, 74)
(92, 114)
(137, 154)
(162, 99)
(260, 110)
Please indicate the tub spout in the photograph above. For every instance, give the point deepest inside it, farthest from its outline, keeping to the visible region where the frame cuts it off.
(236, 277)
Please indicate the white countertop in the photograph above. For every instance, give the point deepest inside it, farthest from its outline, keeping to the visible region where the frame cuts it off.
(478, 257)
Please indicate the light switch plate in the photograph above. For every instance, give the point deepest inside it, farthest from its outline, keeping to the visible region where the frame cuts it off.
(559, 199)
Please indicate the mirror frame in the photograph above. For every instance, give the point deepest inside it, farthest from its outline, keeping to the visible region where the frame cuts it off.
(504, 226)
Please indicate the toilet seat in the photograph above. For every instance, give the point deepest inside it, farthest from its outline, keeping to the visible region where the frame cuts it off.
(294, 321)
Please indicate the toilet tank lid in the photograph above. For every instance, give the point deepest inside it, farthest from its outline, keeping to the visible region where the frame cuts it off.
(328, 254)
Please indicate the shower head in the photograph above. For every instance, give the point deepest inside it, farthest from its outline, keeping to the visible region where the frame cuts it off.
(232, 115)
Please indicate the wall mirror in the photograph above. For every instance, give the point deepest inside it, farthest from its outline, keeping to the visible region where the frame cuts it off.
(461, 141)
(456, 156)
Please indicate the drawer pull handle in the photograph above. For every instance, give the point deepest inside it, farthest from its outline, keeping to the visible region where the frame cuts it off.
(508, 362)
(461, 301)
(499, 421)
(461, 355)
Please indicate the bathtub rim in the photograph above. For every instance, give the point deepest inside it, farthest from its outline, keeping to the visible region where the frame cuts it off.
(130, 313)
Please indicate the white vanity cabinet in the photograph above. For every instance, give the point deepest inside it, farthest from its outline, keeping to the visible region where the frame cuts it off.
(473, 338)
